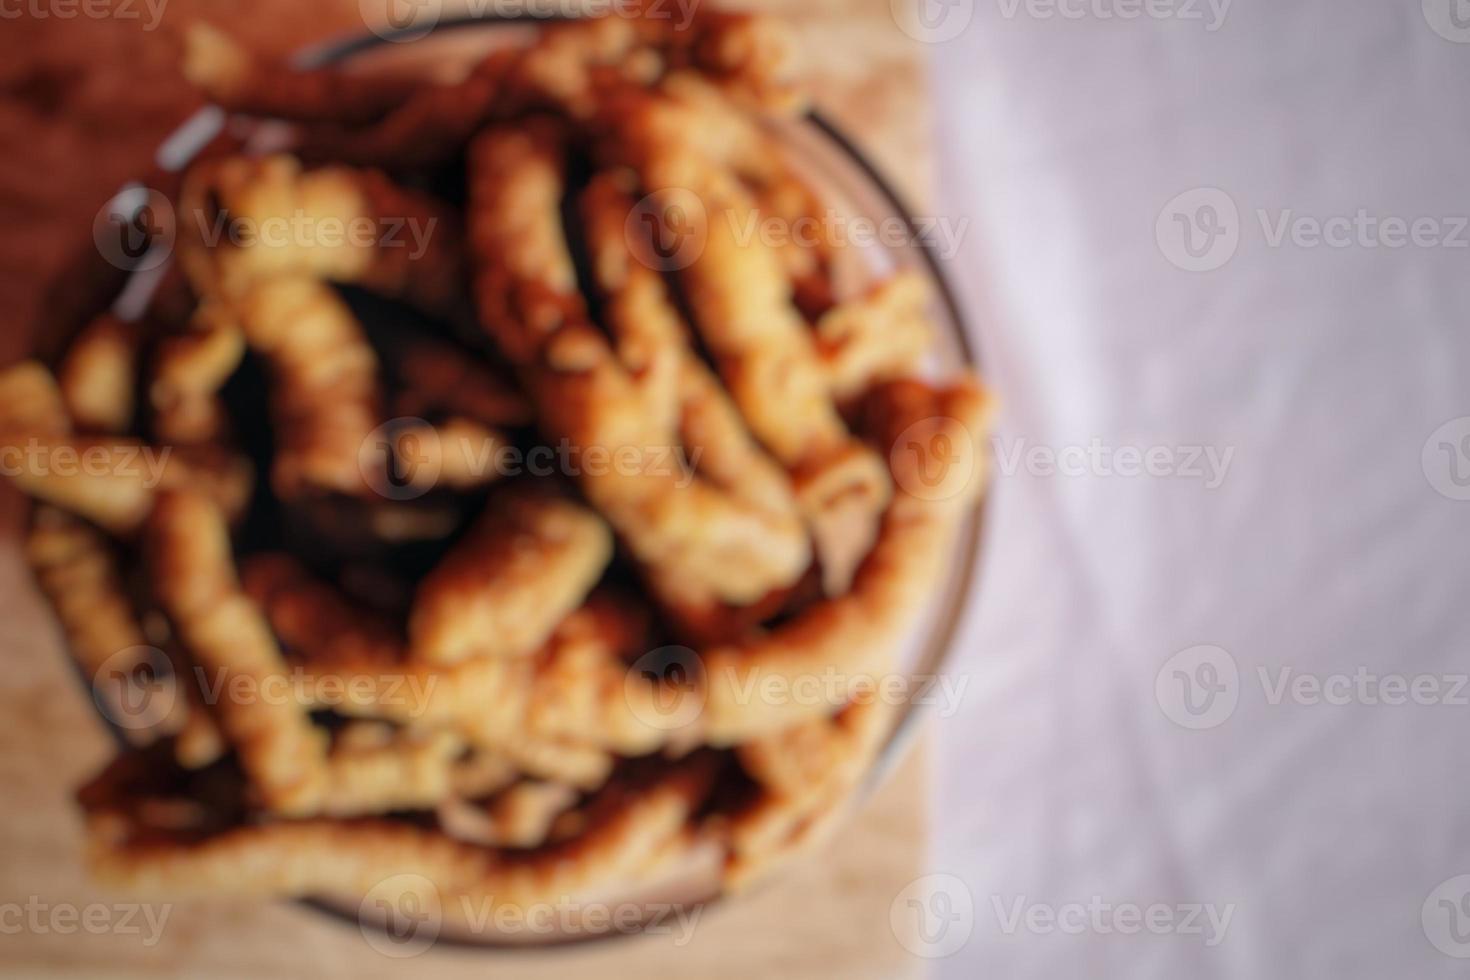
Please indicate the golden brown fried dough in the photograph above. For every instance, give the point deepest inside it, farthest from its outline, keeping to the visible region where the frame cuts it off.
(806, 774)
(325, 394)
(248, 220)
(521, 816)
(761, 345)
(851, 638)
(438, 378)
(240, 82)
(529, 303)
(109, 480)
(225, 635)
(530, 561)
(188, 371)
(99, 374)
(628, 828)
(518, 730)
(878, 337)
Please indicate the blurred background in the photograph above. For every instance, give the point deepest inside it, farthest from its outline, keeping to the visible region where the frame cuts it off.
(1232, 232)
(1212, 690)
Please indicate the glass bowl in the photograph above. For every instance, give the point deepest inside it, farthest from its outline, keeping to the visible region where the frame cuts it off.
(849, 184)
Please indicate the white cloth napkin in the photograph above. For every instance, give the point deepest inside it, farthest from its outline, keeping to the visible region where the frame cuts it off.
(1324, 541)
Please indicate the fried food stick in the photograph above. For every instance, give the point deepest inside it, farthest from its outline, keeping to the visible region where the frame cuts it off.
(283, 755)
(562, 72)
(31, 401)
(437, 377)
(806, 774)
(110, 480)
(240, 82)
(249, 219)
(881, 336)
(807, 771)
(325, 395)
(188, 371)
(98, 375)
(529, 303)
(653, 343)
(503, 588)
(427, 130)
(82, 579)
(680, 393)
(372, 768)
(582, 765)
(630, 825)
(521, 816)
(760, 343)
(543, 711)
(714, 123)
(852, 638)
(870, 338)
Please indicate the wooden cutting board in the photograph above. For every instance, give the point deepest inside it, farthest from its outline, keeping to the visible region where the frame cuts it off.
(83, 104)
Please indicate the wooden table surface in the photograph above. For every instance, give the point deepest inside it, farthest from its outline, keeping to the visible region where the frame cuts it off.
(84, 102)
